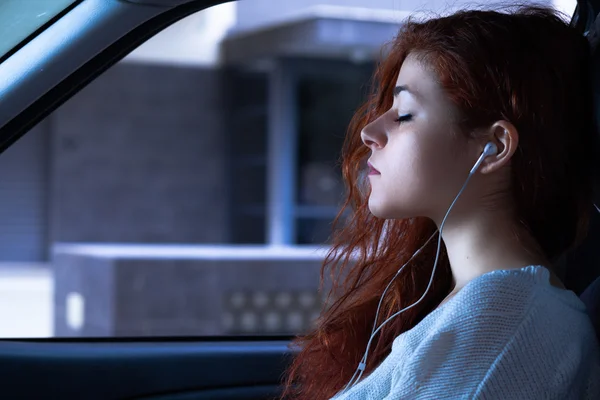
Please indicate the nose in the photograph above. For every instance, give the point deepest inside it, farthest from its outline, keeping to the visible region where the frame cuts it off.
(373, 135)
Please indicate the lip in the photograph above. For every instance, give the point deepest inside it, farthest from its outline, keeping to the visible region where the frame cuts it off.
(372, 169)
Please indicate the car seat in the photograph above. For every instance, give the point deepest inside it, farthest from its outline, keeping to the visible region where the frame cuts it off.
(591, 299)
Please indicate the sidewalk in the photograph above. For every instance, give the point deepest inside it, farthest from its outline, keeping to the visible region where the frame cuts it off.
(26, 296)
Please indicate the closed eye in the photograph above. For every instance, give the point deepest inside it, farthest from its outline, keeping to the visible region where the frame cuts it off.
(403, 118)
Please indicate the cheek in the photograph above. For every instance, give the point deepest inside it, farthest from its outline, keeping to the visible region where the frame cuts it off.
(416, 181)
(438, 172)
(403, 182)
(417, 165)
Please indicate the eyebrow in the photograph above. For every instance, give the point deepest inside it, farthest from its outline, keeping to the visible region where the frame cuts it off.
(402, 88)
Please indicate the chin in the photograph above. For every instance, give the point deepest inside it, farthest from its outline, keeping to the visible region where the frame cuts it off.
(388, 211)
(380, 210)
(378, 214)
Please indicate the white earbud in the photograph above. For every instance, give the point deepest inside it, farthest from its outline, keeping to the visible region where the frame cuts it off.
(490, 149)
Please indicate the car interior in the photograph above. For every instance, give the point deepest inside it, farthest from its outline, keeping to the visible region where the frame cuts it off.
(94, 35)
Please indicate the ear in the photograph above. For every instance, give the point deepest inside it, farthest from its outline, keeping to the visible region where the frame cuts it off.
(505, 136)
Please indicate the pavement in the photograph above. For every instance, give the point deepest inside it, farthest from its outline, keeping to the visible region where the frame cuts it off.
(26, 298)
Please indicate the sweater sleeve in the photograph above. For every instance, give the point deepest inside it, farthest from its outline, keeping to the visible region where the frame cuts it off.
(495, 353)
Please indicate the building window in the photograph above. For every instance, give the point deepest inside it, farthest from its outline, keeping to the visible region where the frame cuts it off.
(325, 108)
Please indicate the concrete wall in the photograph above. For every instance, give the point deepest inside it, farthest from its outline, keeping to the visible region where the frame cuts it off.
(24, 197)
(140, 155)
(125, 290)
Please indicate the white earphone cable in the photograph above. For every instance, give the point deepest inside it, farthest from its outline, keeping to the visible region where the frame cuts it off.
(490, 149)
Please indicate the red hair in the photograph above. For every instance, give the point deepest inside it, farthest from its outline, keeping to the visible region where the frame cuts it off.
(526, 66)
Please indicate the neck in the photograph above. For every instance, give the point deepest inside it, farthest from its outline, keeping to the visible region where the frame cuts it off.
(486, 241)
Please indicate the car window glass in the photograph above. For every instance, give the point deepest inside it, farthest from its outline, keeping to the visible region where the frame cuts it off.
(190, 189)
(20, 18)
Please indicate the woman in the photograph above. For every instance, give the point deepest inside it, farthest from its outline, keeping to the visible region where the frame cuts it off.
(494, 322)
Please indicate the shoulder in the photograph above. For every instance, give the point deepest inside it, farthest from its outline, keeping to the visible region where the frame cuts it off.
(505, 321)
(505, 302)
(499, 301)
(515, 292)
(510, 306)
(491, 309)
(472, 328)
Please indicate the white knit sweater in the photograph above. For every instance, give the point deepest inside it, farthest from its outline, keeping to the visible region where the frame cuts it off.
(506, 335)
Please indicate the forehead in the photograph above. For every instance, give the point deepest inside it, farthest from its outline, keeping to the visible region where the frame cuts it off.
(421, 81)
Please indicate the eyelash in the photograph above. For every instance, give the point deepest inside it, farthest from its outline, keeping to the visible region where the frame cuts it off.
(403, 118)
